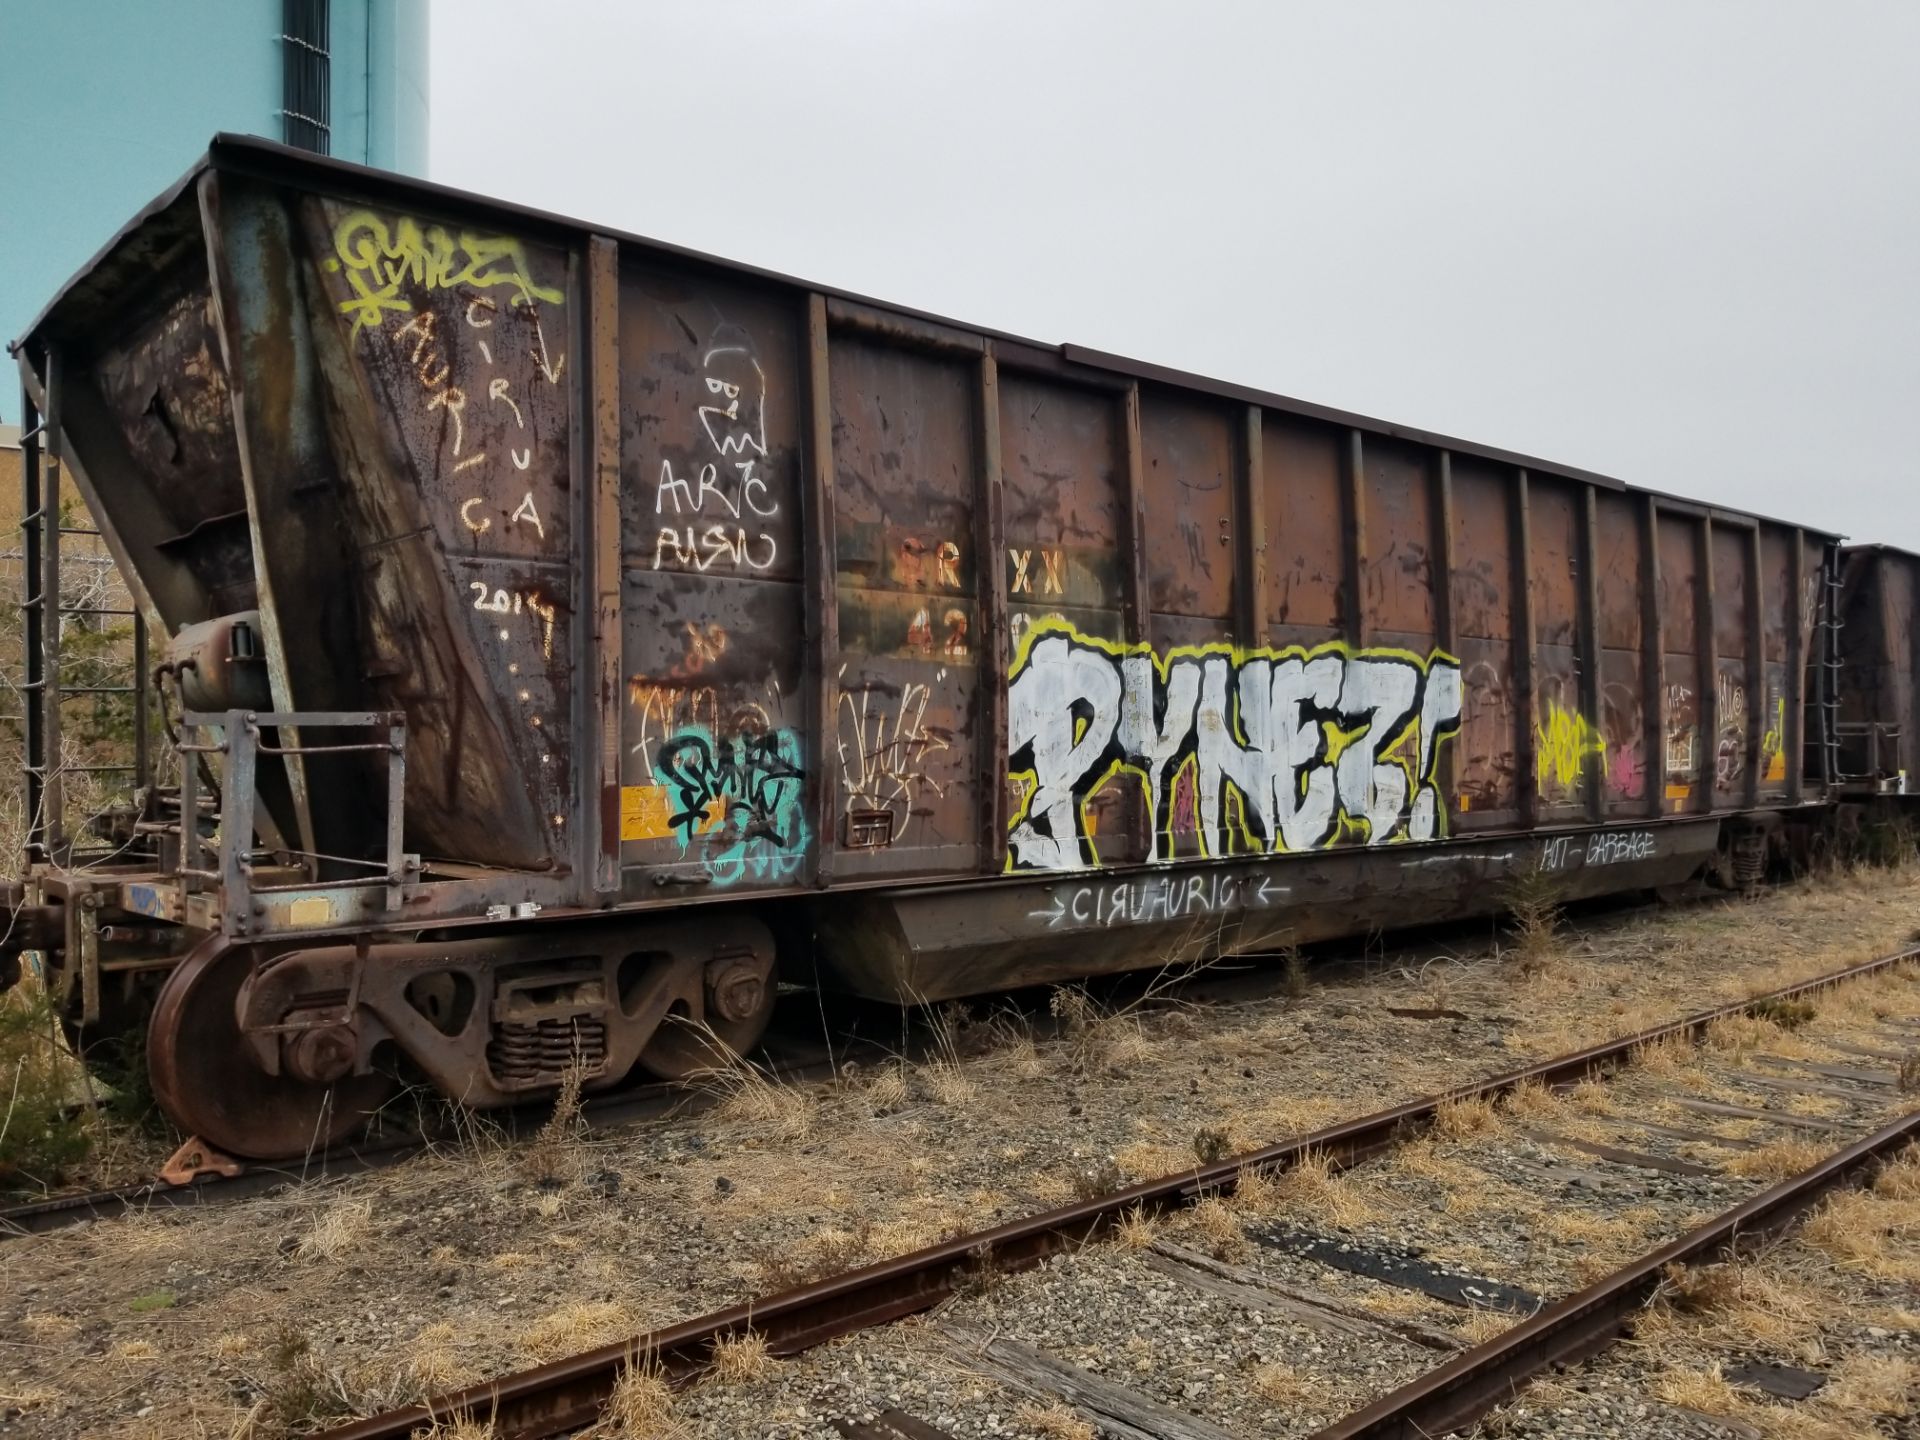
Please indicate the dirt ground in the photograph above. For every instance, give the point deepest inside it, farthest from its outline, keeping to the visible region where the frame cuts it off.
(275, 1315)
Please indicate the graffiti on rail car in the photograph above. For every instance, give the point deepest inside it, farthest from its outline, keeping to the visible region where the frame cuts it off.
(735, 800)
(377, 259)
(1284, 750)
(470, 347)
(889, 756)
(1564, 740)
(715, 516)
(1144, 899)
(724, 773)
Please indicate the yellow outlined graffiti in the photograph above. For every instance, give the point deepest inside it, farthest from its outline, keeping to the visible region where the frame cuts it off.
(376, 260)
(1773, 745)
(1562, 743)
(1280, 748)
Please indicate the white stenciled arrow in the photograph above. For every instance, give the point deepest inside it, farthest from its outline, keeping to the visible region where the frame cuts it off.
(1267, 887)
(1054, 916)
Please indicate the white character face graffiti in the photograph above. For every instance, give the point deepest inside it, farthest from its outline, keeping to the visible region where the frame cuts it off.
(734, 415)
(1286, 749)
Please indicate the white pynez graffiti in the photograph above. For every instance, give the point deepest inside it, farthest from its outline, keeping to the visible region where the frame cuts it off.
(1284, 747)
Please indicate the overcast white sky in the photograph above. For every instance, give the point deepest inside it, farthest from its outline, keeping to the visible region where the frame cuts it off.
(1675, 242)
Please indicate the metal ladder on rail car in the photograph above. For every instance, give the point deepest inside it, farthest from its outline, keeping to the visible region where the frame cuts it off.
(42, 691)
(1827, 626)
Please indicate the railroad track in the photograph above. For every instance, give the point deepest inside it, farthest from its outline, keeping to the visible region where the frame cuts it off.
(1182, 1249)
(799, 1057)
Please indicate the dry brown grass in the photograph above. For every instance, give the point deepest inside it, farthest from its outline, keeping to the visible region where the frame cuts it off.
(576, 1327)
(1874, 1385)
(48, 1327)
(1530, 1100)
(1704, 1390)
(1278, 1383)
(1777, 1160)
(949, 1084)
(753, 1099)
(430, 1358)
(337, 1231)
(1900, 1180)
(1052, 1421)
(1459, 1119)
(1611, 1233)
(1864, 1232)
(1255, 1190)
(1481, 1326)
(27, 1398)
(1313, 1187)
(641, 1405)
(1220, 1228)
(1151, 1159)
(1136, 1230)
(885, 1090)
(741, 1359)
(553, 1155)
(1667, 1056)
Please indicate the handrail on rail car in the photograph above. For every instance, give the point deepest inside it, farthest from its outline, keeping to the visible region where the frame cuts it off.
(240, 739)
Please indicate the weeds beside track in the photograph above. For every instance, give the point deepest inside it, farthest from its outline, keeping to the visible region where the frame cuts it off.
(576, 1392)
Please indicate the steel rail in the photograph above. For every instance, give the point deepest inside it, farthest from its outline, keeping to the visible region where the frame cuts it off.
(567, 1394)
(1456, 1394)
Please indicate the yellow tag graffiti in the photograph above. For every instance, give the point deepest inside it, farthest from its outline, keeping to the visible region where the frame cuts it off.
(1563, 743)
(376, 260)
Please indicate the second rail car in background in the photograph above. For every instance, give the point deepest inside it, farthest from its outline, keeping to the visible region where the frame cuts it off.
(564, 625)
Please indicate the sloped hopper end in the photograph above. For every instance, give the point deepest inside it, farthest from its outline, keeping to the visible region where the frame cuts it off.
(356, 421)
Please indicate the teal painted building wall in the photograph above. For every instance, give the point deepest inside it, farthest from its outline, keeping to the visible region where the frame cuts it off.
(104, 103)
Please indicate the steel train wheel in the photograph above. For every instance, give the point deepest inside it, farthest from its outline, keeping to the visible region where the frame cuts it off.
(209, 1086)
(739, 996)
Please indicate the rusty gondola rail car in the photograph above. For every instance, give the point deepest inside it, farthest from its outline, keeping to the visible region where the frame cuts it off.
(565, 627)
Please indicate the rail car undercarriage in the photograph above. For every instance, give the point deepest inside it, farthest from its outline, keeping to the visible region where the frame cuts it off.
(274, 1046)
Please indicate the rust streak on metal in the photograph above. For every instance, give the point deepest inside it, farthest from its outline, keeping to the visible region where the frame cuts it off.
(823, 602)
(1250, 591)
(1526, 654)
(990, 543)
(602, 849)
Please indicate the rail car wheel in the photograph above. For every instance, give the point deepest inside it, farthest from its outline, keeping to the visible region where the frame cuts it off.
(737, 995)
(207, 1084)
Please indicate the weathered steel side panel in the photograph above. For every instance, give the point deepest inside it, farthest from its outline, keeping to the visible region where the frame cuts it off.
(1483, 570)
(165, 386)
(1566, 740)
(1306, 584)
(444, 349)
(902, 748)
(720, 773)
(1397, 576)
(1189, 472)
(1619, 547)
(1900, 704)
(1065, 572)
(1688, 784)
(1734, 751)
